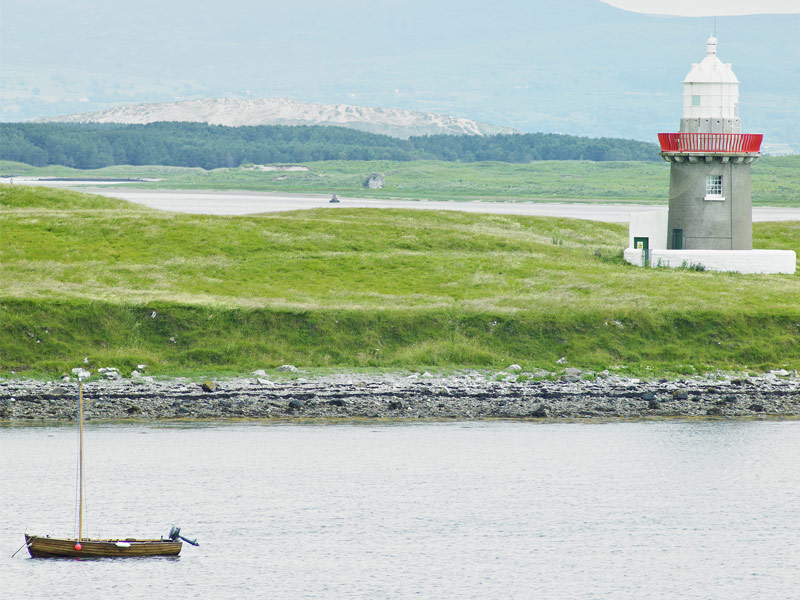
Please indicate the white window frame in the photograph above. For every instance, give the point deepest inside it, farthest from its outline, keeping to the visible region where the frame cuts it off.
(714, 188)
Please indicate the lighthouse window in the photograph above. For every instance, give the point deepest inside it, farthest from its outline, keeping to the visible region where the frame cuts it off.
(695, 100)
(714, 187)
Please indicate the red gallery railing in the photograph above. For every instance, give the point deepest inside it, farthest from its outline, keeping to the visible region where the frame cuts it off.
(732, 143)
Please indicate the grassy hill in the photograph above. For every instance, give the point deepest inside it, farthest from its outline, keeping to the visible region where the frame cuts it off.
(86, 276)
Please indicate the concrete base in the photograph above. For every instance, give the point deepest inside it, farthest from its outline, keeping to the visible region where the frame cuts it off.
(739, 261)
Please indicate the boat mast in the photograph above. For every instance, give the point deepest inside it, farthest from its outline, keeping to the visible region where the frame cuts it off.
(80, 460)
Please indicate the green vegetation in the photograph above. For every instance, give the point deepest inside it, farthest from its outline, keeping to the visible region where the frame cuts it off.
(776, 180)
(84, 276)
(95, 145)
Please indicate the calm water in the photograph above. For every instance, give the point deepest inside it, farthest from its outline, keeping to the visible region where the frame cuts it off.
(487, 510)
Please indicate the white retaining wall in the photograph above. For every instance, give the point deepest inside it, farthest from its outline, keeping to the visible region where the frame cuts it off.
(740, 261)
(651, 224)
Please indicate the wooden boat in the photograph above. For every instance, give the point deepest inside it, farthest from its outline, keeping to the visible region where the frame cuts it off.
(51, 547)
(47, 547)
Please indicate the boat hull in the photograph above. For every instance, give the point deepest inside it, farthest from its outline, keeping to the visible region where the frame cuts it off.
(47, 547)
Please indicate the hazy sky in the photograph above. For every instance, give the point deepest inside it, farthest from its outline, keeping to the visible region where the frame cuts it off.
(705, 8)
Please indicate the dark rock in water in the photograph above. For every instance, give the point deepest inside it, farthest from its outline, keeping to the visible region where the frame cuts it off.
(714, 412)
(336, 402)
(680, 395)
(648, 396)
(209, 386)
(756, 407)
(395, 405)
(295, 404)
(539, 412)
(653, 404)
(133, 410)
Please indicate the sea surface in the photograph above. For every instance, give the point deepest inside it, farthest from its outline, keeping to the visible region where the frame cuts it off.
(666, 509)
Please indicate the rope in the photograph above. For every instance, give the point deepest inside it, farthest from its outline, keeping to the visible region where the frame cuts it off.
(25, 545)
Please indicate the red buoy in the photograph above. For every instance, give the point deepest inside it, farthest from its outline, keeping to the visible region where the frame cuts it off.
(78, 546)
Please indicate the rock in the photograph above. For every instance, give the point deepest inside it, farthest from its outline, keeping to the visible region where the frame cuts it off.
(112, 375)
(395, 405)
(133, 410)
(756, 408)
(653, 404)
(562, 360)
(81, 373)
(513, 368)
(570, 378)
(714, 412)
(336, 402)
(681, 394)
(287, 369)
(209, 386)
(573, 371)
(264, 382)
(539, 412)
(648, 396)
(135, 374)
(295, 404)
(259, 373)
(781, 373)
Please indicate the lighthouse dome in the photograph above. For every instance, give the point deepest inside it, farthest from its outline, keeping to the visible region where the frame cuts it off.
(711, 94)
(711, 69)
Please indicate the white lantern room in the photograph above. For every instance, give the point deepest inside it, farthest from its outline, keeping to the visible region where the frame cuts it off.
(711, 96)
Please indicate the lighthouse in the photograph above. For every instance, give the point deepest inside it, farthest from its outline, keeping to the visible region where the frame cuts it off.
(709, 223)
(709, 189)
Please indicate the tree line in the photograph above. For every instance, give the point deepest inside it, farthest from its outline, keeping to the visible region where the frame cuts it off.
(95, 145)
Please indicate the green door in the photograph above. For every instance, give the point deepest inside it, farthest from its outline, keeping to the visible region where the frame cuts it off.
(677, 239)
(643, 244)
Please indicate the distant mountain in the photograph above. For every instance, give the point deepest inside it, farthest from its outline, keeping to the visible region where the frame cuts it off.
(235, 112)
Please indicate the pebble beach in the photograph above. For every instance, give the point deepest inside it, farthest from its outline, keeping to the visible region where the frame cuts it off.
(467, 394)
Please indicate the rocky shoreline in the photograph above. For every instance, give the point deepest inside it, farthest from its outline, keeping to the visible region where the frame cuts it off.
(463, 395)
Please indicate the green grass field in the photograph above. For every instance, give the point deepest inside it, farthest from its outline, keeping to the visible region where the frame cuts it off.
(776, 180)
(86, 276)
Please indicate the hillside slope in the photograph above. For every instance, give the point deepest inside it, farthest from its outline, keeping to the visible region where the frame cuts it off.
(86, 276)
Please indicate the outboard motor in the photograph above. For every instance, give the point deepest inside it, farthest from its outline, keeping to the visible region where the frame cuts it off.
(175, 535)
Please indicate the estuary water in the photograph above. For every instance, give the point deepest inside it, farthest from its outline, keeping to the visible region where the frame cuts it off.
(670, 509)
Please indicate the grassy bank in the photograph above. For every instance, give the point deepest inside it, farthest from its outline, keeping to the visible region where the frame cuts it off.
(84, 276)
(776, 180)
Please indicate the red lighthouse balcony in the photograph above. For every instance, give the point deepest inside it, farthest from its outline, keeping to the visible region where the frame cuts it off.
(711, 143)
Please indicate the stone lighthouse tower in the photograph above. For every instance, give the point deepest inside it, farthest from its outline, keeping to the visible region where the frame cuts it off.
(709, 189)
